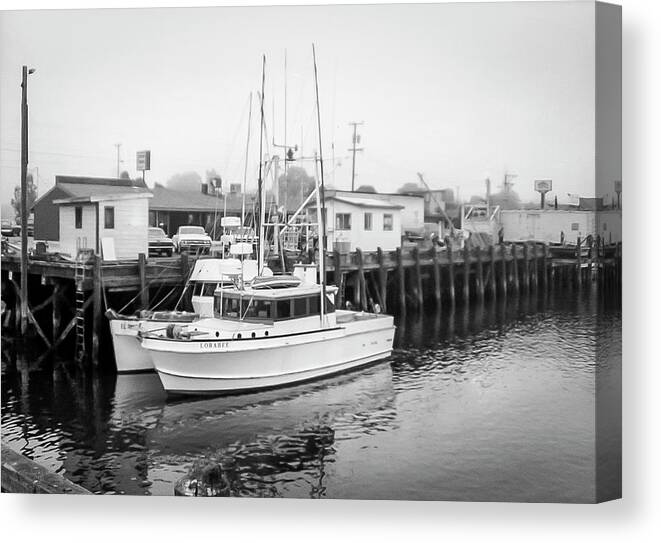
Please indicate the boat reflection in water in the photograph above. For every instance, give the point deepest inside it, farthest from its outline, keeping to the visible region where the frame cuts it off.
(261, 444)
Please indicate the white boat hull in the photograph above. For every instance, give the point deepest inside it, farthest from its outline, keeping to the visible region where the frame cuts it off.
(129, 354)
(227, 366)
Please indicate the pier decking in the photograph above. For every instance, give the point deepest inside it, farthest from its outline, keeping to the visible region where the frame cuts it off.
(409, 278)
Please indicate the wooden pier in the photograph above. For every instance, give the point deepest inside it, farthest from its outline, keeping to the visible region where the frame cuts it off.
(408, 279)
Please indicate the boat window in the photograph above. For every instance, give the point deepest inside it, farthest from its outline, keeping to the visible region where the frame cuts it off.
(284, 309)
(230, 307)
(248, 310)
(314, 305)
(209, 289)
(263, 309)
(197, 289)
(300, 307)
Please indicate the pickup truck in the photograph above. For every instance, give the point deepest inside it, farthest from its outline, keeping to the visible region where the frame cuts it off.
(191, 239)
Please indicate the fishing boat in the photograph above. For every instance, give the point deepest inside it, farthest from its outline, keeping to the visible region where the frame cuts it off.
(208, 274)
(271, 331)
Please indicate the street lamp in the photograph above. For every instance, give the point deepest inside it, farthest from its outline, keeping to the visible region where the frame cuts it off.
(24, 199)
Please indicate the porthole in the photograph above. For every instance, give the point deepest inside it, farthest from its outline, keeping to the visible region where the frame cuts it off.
(266, 333)
(217, 334)
(254, 335)
(238, 336)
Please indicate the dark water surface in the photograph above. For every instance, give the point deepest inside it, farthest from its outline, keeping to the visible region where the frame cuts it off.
(491, 403)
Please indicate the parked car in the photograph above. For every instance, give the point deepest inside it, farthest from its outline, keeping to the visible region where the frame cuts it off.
(7, 228)
(16, 229)
(191, 239)
(159, 242)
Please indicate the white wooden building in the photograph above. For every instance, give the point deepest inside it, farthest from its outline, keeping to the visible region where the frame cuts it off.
(556, 225)
(364, 222)
(114, 225)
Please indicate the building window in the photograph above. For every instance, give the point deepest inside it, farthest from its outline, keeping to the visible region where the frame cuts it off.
(109, 217)
(343, 221)
(79, 216)
(387, 221)
(605, 227)
(368, 221)
(574, 226)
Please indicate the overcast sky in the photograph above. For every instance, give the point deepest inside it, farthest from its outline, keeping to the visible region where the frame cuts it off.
(456, 91)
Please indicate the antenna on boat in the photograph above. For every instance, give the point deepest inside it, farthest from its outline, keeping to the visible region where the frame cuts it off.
(321, 217)
(257, 216)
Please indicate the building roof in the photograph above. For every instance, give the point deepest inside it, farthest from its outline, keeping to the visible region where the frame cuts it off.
(179, 200)
(365, 202)
(94, 187)
(103, 197)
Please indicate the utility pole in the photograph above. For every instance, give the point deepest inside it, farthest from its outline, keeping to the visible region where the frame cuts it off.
(118, 145)
(24, 199)
(355, 140)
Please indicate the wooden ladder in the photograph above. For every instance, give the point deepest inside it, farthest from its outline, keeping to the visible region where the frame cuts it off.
(79, 278)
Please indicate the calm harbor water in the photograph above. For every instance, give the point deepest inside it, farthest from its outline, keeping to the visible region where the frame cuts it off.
(485, 403)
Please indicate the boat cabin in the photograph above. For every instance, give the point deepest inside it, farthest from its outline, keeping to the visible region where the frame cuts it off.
(271, 305)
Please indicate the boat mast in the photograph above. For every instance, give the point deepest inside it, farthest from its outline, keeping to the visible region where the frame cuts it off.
(257, 215)
(321, 214)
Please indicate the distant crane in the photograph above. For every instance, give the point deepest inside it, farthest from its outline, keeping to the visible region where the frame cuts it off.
(440, 207)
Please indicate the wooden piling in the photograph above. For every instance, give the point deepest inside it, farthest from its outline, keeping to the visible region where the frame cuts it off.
(492, 271)
(57, 310)
(515, 268)
(144, 286)
(383, 279)
(466, 285)
(479, 274)
(402, 281)
(535, 267)
(526, 267)
(97, 309)
(437, 277)
(579, 277)
(361, 281)
(451, 289)
(545, 267)
(418, 278)
(503, 270)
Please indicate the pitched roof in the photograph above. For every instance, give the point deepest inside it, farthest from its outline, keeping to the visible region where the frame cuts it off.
(365, 202)
(179, 200)
(69, 186)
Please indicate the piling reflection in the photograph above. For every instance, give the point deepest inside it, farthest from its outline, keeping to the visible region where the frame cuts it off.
(518, 373)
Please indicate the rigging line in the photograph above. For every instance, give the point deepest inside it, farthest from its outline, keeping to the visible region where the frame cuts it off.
(142, 290)
(321, 218)
(259, 178)
(245, 168)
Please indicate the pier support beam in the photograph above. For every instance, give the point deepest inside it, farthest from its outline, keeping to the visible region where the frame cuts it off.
(479, 274)
(97, 309)
(515, 267)
(418, 278)
(437, 277)
(144, 287)
(467, 267)
(503, 269)
(361, 281)
(451, 289)
(526, 267)
(402, 281)
(57, 310)
(383, 279)
(492, 272)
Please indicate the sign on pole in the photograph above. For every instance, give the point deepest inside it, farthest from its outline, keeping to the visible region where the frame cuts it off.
(543, 186)
(143, 160)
